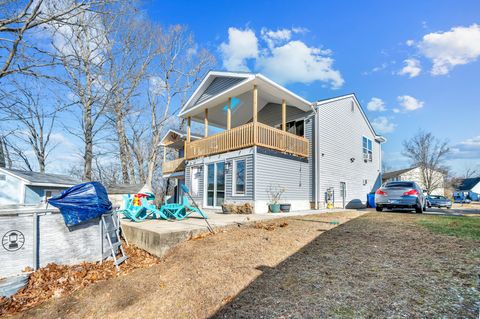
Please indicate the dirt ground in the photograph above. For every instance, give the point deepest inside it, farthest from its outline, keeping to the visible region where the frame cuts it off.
(376, 265)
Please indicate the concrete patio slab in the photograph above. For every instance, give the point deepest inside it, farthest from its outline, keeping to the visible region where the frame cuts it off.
(158, 236)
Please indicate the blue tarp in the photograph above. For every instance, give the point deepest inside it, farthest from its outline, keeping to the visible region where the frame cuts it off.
(82, 202)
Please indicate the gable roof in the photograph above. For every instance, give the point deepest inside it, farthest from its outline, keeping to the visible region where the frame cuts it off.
(217, 85)
(179, 133)
(396, 173)
(468, 183)
(378, 138)
(41, 179)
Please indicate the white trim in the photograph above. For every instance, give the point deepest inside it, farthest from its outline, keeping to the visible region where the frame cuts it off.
(234, 177)
(368, 139)
(205, 184)
(13, 174)
(378, 138)
(22, 192)
(249, 77)
(182, 135)
(206, 79)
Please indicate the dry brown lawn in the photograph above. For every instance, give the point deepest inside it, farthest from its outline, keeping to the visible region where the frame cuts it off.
(376, 265)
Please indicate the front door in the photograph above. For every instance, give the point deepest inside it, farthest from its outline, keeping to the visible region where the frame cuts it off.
(215, 184)
(343, 192)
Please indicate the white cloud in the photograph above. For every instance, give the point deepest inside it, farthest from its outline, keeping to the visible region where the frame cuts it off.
(468, 149)
(409, 103)
(296, 62)
(458, 46)
(376, 104)
(409, 43)
(395, 110)
(242, 45)
(383, 125)
(412, 68)
(283, 59)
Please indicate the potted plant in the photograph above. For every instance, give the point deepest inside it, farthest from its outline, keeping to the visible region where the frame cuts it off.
(285, 207)
(275, 193)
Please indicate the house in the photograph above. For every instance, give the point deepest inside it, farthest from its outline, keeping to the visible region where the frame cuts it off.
(469, 188)
(414, 174)
(18, 187)
(318, 152)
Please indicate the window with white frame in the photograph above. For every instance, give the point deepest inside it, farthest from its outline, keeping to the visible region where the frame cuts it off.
(239, 177)
(367, 148)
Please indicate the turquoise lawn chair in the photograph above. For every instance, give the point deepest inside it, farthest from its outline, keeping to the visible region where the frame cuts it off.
(181, 211)
(132, 212)
(157, 213)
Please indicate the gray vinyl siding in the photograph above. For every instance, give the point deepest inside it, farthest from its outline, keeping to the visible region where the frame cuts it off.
(309, 130)
(285, 171)
(271, 114)
(218, 85)
(340, 140)
(246, 154)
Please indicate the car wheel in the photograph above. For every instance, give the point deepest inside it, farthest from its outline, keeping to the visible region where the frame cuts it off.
(378, 209)
(424, 208)
(419, 209)
(449, 207)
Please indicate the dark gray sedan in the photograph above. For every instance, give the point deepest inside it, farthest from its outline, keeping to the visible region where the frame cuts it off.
(438, 201)
(400, 195)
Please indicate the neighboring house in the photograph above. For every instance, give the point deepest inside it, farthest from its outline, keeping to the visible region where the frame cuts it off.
(117, 191)
(19, 187)
(468, 189)
(414, 174)
(274, 138)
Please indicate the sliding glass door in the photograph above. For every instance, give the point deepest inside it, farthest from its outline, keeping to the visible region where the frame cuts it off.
(215, 184)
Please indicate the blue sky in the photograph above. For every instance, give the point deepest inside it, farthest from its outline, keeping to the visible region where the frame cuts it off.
(412, 64)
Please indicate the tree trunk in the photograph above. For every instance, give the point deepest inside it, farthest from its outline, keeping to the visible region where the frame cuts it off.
(88, 132)
(123, 147)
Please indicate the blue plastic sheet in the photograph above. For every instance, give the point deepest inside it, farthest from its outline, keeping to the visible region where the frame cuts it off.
(82, 202)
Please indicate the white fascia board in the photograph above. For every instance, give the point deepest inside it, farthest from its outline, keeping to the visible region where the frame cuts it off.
(285, 90)
(206, 80)
(215, 98)
(378, 138)
(13, 175)
(50, 185)
(192, 136)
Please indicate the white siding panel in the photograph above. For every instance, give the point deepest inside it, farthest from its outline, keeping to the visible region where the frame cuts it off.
(340, 136)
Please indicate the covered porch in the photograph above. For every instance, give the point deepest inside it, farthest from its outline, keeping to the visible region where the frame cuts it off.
(232, 102)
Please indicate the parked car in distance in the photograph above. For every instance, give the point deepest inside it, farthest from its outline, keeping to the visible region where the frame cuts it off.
(461, 200)
(402, 195)
(438, 201)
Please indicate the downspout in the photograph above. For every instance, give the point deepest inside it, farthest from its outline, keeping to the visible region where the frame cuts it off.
(316, 156)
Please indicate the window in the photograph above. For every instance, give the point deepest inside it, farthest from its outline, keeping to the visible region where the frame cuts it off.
(294, 127)
(3, 177)
(239, 177)
(367, 149)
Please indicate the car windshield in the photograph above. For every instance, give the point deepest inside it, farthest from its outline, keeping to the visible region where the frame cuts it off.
(437, 197)
(399, 184)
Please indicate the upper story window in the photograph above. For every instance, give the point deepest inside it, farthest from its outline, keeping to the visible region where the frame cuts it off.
(294, 127)
(239, 177)
(367, 148)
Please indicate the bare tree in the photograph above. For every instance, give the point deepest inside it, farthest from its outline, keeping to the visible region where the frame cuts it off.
(429, 154)
(471, 171)
(20, 18)
(34, 123)
(179, 68)
(81, 50)
(133, 49)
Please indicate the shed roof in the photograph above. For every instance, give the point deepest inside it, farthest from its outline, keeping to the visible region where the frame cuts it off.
(396, 173)
(468, 183)
(124, 188)
(41, 179)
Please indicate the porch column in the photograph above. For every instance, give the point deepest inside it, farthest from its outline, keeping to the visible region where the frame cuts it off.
(284, 115)
(229, 114)
(189, 120)
(254, 110)
(206, 122)
(255, 102)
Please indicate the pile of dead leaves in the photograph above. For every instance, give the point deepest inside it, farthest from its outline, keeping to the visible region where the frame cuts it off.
(270, 226)
(61, 280)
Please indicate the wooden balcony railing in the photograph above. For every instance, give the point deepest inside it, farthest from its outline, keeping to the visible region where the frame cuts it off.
(246, 136)
(173, 166)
